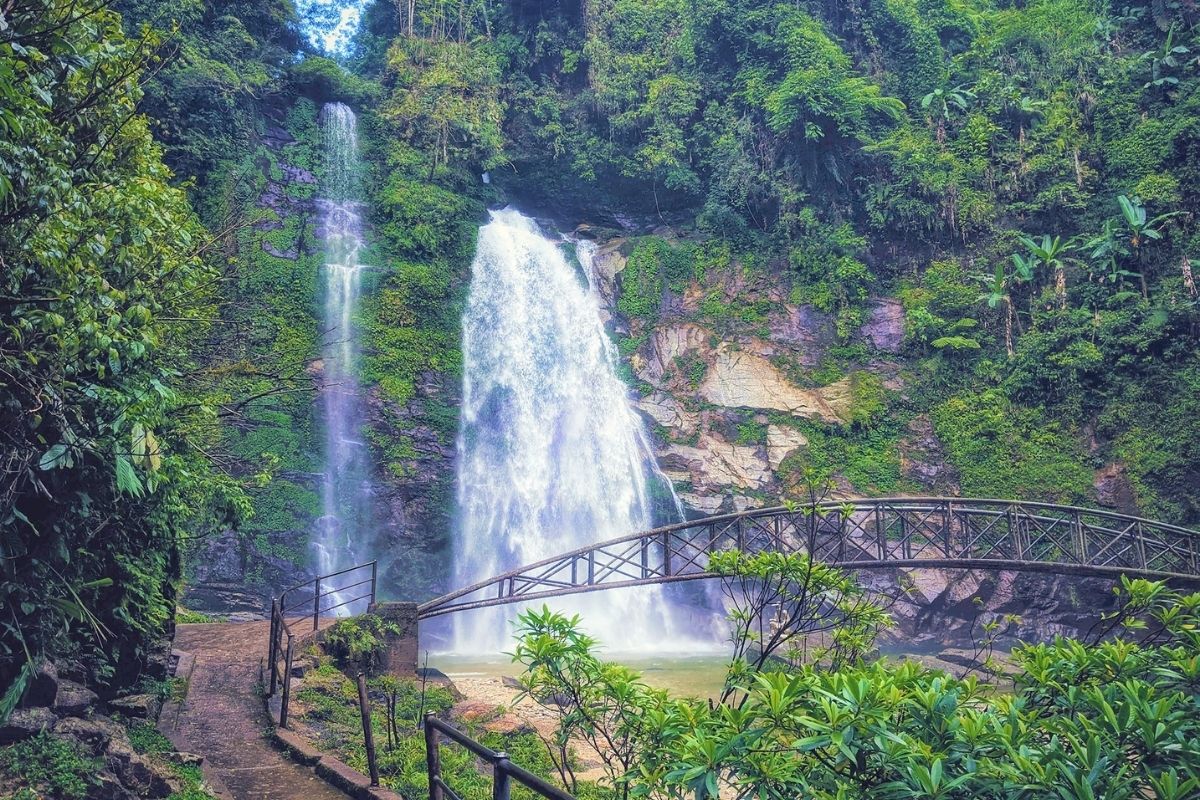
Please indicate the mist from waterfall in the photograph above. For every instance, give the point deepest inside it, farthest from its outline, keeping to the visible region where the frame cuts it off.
(551, 454)
(346, 497)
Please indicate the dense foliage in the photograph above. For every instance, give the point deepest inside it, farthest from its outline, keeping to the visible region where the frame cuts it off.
(1115, 717)
(1019, 175)
(104, 282)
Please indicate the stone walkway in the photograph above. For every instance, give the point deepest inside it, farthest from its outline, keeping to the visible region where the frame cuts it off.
(223, 720)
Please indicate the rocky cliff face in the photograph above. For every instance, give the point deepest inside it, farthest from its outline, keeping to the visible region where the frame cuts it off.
(729, 404)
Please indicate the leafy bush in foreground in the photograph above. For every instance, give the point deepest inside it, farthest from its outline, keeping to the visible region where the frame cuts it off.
(1114, 718)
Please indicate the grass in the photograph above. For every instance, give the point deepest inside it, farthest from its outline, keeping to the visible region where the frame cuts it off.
(147, 740)
(327, 704)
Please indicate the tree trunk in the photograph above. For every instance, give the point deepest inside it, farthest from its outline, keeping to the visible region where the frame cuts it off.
(1008, 327)
(1060, 285)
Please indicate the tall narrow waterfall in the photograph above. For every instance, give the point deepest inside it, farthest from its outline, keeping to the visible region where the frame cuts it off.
(551, 455)
(346, 494)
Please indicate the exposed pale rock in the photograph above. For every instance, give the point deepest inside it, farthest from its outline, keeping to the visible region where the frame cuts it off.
(667, 344)
(669, 412)
(808, 331)
(739, 379)
(713, 462)
(704, 503)
(884, 327)
(742, 503)
(607, 263)
(781, 443)
(1114, 489)
(923, 459)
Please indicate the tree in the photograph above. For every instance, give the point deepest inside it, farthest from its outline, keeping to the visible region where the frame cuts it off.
(1141, 231)
(1049, 254)
(940, 103)
(999, 292)
(1112, 717)
(104, 288)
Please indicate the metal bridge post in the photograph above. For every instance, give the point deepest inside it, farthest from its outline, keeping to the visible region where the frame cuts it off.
(1141, 546)
(374, 580)
(433, 762)
(501, 782)
(880, 533)
(645, 558)
(947, 519)
(1014, 531)
(666, 544)
(316, 602)
(1080, 542)
(591, 567)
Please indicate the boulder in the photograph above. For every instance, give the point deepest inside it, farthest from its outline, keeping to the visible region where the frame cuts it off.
(508, 725)
(43, 688)
(74, 700)
(136, 772)
(24, 723)
(139, 706)
(706, 504)
(93, 734)
(476, 711)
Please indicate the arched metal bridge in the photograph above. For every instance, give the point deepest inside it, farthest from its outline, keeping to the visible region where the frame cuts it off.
(905, 532)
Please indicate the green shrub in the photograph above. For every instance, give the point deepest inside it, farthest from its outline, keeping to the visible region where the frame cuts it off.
(48, 766)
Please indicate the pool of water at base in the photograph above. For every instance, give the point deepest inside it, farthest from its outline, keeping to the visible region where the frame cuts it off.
(695, 676)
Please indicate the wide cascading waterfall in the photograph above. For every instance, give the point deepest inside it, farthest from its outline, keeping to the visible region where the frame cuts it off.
(551, 455)
(345, 524)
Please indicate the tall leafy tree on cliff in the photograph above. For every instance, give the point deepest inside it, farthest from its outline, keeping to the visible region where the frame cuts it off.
(102, 283)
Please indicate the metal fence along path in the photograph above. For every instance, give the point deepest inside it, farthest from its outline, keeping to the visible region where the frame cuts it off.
(905, 532)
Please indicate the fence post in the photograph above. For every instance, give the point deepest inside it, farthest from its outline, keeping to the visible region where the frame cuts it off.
(432, 759)
(374, 580)
(287, 685)
(316, 603)
(501, 783)
(364, 709)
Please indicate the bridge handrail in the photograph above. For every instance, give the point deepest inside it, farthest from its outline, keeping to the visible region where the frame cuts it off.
(281, 639)
(966, 505)
(503, 770)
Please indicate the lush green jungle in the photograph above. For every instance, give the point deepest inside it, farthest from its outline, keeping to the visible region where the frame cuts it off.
(1020, 179)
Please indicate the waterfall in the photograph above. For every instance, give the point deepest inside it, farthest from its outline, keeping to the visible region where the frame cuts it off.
(346, 495)
(551, 454)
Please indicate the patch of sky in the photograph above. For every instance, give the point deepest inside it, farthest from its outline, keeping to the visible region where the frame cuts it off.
(330, 25)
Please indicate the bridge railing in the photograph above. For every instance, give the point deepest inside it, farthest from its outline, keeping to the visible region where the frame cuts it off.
(861, 534)
(504, 772)
(287, 612)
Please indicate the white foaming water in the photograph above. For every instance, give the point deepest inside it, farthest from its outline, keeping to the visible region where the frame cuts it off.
(551, 455)
(346, 494)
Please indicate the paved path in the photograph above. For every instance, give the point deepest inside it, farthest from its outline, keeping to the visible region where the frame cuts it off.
(223, 720)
